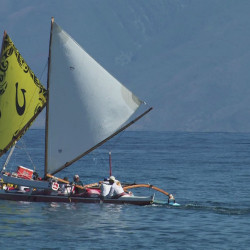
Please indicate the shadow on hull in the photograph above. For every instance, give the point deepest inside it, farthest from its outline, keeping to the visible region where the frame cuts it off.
(19, 196)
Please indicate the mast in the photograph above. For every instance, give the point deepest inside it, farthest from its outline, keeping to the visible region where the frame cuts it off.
(47, 107)
(102, 142)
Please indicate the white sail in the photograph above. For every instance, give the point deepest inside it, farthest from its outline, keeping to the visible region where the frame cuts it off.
(86, 103)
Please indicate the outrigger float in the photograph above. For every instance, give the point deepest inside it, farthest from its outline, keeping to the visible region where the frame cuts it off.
(85, 107)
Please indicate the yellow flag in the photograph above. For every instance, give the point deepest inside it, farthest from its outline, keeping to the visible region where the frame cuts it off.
(22, 96)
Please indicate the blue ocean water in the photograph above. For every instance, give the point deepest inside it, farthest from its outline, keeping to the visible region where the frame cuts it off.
(207, 172)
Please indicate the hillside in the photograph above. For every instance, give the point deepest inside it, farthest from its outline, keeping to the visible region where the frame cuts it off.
(187, 58)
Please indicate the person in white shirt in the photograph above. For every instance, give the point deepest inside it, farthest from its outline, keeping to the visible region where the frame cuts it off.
(105, 188)
(116, 189)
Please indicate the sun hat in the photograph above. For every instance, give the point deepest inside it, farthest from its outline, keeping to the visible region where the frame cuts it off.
(112, 178)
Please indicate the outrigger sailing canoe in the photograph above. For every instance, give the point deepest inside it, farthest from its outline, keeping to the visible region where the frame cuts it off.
(96, 105)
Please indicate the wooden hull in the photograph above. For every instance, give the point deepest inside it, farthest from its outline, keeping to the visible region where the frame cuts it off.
(19, 196)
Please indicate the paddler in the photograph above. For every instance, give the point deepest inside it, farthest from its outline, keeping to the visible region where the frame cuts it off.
(78, 182)
(105, 187)
(116, 190)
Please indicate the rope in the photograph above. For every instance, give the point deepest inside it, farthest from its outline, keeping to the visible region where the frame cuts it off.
(46, 64)
(24, 148)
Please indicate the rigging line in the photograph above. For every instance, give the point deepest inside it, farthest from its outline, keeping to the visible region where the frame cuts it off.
(8, 158)
(20, 127)
(46, 65)
(13, 161)
(27, 153)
